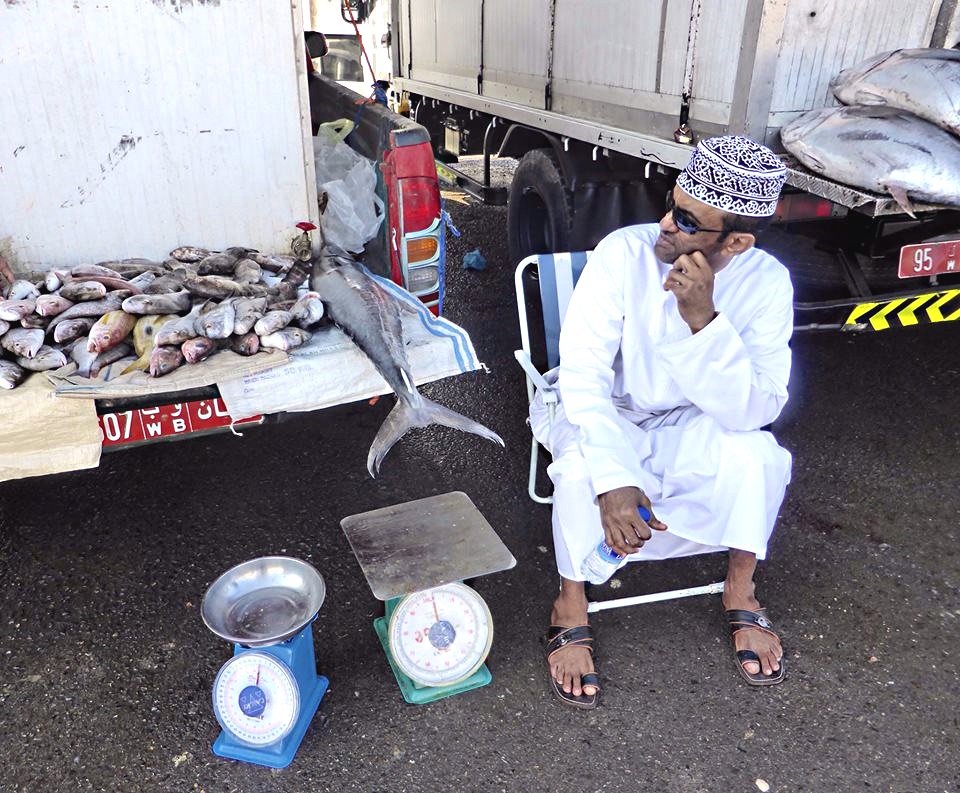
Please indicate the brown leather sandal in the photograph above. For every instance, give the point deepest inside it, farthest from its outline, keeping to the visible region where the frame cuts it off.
(741, 619)
(559, 637)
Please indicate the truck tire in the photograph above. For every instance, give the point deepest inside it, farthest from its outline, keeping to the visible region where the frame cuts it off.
(539, 207)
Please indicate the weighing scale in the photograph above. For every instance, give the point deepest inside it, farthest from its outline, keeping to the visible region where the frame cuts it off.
(265, 696)
(436, 631)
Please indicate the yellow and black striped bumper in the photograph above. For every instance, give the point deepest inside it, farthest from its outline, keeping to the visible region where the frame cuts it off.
(902, 312)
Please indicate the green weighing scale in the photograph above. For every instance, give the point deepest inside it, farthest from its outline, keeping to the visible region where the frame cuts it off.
(436, 631)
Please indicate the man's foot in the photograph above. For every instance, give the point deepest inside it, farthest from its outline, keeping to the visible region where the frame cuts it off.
(570, 652)
(755, 643)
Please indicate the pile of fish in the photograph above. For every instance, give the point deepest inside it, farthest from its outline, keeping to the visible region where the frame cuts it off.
(156, 316)
(898, 131)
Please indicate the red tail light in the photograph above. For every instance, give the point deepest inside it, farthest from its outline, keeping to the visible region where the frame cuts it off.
(420, 197)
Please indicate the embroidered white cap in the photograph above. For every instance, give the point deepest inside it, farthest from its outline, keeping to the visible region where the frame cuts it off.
(735, 174)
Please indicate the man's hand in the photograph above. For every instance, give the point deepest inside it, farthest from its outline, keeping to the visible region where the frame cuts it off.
(6, 274)
(625, 530)
(691, 281)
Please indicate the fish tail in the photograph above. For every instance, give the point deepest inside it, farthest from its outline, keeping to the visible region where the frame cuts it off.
(405, 416)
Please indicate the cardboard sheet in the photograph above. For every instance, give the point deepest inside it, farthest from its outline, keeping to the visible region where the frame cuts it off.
(41, 434)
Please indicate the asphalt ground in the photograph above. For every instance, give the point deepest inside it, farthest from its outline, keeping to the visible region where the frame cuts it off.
(106, 667)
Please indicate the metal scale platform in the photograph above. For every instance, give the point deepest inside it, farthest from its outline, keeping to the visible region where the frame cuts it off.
(436, 631)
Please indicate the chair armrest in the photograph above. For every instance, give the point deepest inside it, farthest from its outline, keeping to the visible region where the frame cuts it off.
(548, 391)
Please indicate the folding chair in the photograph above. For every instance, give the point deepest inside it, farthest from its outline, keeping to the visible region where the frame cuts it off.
(557, 275)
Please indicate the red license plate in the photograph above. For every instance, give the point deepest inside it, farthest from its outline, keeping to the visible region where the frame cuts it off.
(165, 421)
(929, 258)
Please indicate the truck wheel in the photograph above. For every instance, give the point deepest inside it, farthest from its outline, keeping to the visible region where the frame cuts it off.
(539, 207)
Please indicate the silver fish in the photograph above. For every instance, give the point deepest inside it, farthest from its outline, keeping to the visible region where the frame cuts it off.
(109, 281)
(179, 330)
(879, 149)
(247, 271)
(164, 360)
(35, 321)
(22, 342)
(77, 291)
(218, 322)
(89, 362)
(82, 356)
(925, 82)
(45, 359)
(72, 329)
(216, 286)
(53, 280)
(271, 322)
(308, 310)
(217, 264)
(108, 331)
(285, 339)
(188, 253)
(4, 326)
(370, 316)
(92, 308)
(198, 349)
(22, 290)
(15, 310)
(167, 283)
(132, 267)
(247, 344)
(11, 375)
(248, 311)
(143, 280)
(172, 303)
(273, 263)
(51, 305)
(93, 269)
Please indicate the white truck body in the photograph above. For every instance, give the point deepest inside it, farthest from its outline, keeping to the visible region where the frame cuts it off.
(606, 71)
(133, 126)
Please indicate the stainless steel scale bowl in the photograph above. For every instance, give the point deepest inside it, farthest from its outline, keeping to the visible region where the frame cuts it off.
(263, 601)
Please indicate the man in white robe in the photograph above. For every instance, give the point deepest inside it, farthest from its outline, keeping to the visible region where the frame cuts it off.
(673, 355)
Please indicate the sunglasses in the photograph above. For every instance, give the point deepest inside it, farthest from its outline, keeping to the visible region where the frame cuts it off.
(683, 220)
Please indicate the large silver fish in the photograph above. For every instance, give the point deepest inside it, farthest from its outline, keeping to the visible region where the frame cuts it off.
(925, 82)
(879, 149)
(370, 316)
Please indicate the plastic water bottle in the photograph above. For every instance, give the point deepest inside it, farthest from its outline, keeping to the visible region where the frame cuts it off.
(602, 562)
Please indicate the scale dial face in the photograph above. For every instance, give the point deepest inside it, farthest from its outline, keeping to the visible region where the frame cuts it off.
(441, 636)
(255, 698)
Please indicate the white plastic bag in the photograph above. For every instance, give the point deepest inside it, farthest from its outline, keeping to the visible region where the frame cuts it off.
(354, 211)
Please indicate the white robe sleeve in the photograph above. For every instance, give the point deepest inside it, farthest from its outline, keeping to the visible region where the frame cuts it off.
(589, 344)
(738, 378)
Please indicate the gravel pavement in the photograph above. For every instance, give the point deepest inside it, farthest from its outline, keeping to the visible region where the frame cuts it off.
(107, 666)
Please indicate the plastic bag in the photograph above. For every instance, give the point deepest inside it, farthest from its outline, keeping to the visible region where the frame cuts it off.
(354, 211)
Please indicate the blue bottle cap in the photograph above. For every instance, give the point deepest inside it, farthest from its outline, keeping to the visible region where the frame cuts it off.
(644, 513)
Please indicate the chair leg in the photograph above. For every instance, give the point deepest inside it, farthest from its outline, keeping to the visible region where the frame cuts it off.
(532, 480)
(708, 589)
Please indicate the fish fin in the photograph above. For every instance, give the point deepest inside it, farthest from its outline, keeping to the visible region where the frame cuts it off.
(901, 197)
(404, 417)
(142, 364)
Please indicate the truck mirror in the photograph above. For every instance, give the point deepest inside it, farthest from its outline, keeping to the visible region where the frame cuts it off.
(316, 43)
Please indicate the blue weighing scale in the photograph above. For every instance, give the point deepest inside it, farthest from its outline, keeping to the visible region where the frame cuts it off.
(436, 631)
(265, 696)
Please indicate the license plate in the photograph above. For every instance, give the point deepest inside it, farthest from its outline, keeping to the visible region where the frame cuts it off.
(930, 258)
(166, 421)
